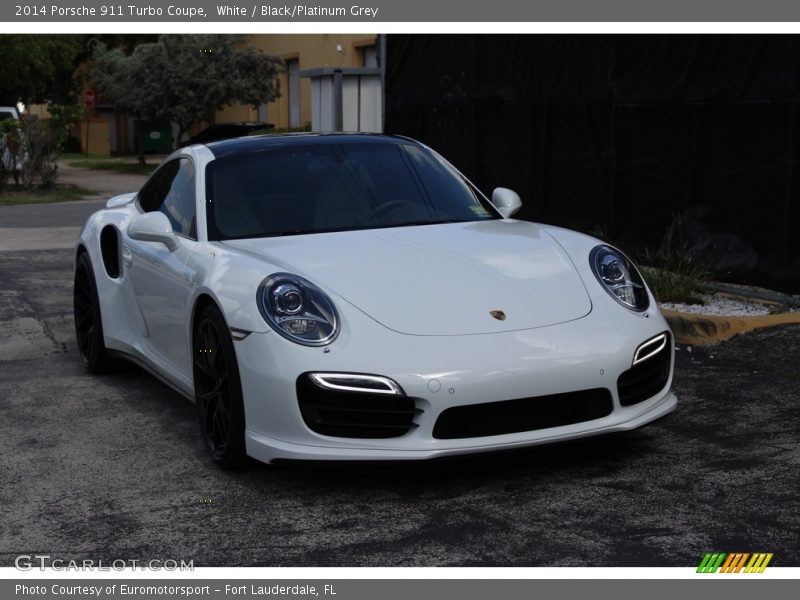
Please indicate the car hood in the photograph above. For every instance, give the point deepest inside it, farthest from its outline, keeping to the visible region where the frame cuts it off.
(439, 279)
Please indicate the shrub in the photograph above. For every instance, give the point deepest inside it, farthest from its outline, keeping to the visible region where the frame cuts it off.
(673, 273)
(10, 144)
(30, 148)
(40, 147)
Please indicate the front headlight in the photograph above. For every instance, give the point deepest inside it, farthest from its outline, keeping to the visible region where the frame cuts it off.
(619, 277)
(297, 309)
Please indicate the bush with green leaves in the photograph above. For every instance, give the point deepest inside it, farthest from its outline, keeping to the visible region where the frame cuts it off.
(30, 148)
(63, 118)
(9, 151)
(40, 146)
(673, 273)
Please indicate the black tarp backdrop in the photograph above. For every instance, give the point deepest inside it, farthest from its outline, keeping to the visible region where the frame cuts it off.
(618, 133)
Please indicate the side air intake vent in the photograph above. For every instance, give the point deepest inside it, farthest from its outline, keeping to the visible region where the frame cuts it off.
(355, 406)
(109, 248)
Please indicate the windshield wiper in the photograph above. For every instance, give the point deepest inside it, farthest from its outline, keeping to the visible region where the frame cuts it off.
(270, 234)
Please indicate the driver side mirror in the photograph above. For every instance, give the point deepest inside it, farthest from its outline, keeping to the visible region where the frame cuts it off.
(506, 201)
(153, 227)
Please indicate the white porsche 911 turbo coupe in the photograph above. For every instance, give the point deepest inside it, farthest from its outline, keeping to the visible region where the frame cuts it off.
(353, 296)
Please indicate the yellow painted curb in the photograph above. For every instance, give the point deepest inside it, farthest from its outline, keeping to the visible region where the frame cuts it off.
(705, 330)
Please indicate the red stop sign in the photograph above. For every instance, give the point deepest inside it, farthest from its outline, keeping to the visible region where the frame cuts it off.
(89, 98)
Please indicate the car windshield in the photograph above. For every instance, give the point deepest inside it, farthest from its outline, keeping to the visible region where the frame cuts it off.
(297, 189)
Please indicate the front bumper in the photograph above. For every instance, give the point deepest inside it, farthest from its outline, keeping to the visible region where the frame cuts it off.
(442, 372)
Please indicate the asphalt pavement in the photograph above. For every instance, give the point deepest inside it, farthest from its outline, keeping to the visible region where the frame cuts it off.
(113, 467)
(57, 225)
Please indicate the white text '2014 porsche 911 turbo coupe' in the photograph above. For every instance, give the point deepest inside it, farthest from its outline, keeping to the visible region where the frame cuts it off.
(353, 296)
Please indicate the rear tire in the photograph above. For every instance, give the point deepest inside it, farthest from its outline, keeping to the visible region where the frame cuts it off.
(88, 319)
(218, 390)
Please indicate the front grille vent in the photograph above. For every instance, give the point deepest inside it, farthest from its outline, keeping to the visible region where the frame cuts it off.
(524, 414)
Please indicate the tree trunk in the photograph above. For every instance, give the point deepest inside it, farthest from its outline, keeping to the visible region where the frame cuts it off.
(182, 129)
(140, 145)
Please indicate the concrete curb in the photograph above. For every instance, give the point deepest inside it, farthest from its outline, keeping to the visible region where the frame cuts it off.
(706, 330)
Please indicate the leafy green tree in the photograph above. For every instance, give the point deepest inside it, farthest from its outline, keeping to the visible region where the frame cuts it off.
(184, 79)
(130, 82)
(36, 68)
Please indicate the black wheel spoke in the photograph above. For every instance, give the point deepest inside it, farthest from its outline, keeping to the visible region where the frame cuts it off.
(221, 422)
(83, 285)
(207, 352)
(218, 391)
(217, 426)
(85, 314)
(212, 350)
(206, 396)
(83, 343)
(82, 326)
(200, 363)
(82, 299)
(90, 340)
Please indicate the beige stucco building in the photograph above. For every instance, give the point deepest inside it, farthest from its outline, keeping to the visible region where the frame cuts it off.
(301, 52)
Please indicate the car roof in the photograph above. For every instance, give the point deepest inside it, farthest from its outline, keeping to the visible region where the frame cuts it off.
(255, 143)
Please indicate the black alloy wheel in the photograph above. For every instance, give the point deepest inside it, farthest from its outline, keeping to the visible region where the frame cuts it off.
(88, 322)
(218, 391)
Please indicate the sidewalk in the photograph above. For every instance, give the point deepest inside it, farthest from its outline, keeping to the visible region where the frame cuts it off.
(104, 183)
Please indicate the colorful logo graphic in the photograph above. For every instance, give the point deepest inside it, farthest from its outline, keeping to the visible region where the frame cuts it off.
(734, 562)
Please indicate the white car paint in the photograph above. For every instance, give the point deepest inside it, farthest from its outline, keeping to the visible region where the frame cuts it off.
(445, 274)
(414, 306)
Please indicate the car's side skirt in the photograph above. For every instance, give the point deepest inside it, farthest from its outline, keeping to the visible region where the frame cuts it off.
(182, 390)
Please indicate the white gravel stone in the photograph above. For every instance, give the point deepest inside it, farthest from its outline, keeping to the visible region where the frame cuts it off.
(716, 305)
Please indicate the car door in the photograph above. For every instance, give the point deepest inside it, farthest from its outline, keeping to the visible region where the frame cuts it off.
(162, 280)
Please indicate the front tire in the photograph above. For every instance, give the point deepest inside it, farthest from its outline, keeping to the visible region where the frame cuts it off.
(218, 390)
(88, 320)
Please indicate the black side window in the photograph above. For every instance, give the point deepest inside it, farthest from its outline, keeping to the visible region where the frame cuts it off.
(171, 191)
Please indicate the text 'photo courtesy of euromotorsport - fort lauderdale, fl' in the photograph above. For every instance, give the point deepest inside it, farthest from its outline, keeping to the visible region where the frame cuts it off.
(186, 590)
